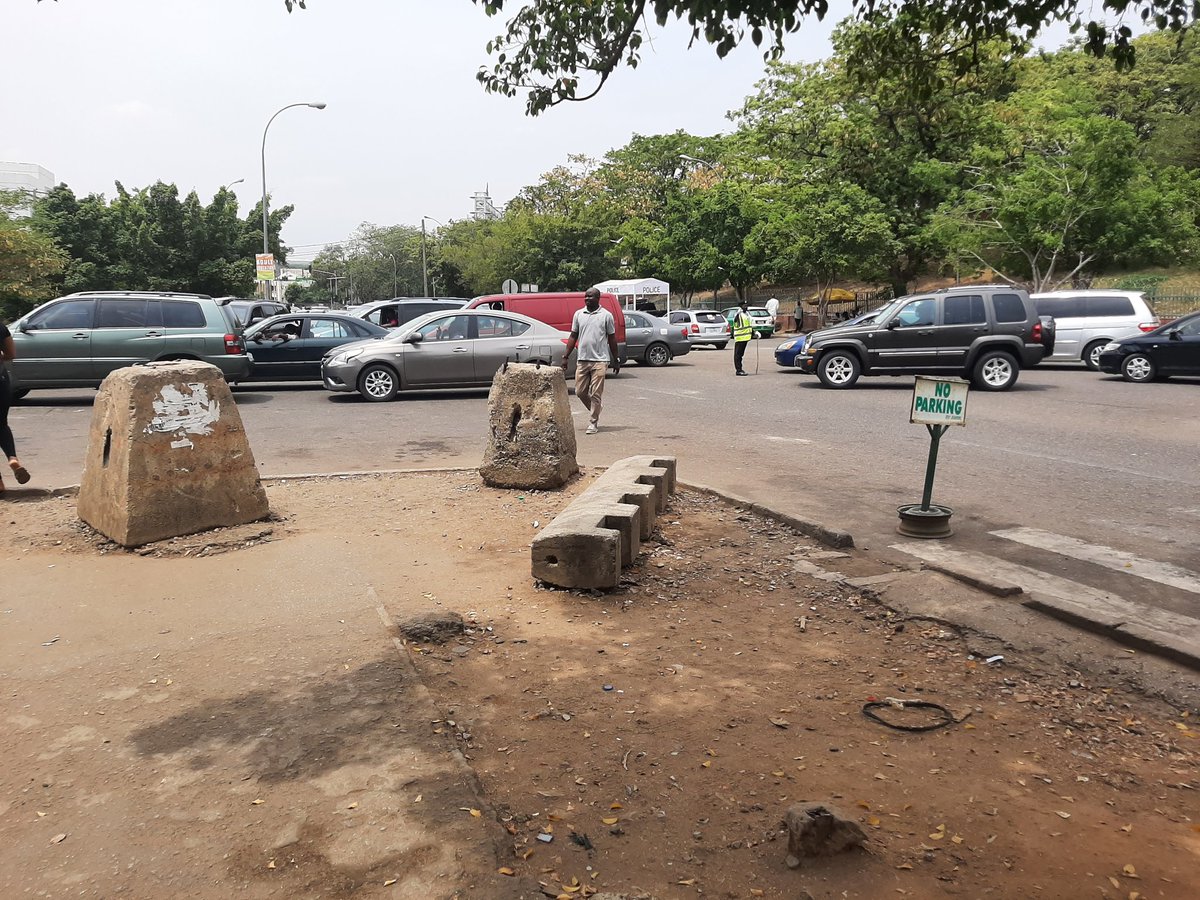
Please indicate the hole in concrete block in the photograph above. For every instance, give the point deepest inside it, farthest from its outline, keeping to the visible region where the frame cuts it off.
(516, 418)
(107, 447)
(552, 560)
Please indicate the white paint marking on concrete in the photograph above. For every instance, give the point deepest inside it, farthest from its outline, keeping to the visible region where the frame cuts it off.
(682, 395)
(784, 440)
(1029, 580)
(1035, 581)
(181, 414)
(1108, 557)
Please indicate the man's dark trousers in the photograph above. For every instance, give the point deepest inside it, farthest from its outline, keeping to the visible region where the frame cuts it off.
(739, 351)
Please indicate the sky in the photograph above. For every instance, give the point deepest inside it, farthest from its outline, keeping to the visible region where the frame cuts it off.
(138, 91)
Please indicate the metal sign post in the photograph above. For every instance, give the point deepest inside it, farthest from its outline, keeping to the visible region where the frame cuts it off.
(937, 403)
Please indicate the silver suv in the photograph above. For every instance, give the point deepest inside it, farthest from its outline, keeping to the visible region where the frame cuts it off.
(1088, 320)
(75, 341)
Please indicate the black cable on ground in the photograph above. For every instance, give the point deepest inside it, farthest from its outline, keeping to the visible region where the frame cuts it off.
(946, 719)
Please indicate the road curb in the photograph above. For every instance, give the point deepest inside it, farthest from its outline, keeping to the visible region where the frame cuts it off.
(1166, 644)
(975, 577)
(831, 537)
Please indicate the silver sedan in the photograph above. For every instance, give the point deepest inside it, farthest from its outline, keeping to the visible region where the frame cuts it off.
(456, 349)
(653, 341)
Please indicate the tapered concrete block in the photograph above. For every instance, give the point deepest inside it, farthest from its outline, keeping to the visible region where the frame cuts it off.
(531, 437)
(601, 531)
(167, 456)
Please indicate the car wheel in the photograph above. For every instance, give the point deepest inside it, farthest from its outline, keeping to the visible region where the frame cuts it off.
(722, 345)
(658, 355)
(839, 369)
(378, 383)
(20, 393)
(995, 371)
(1091, 355)
(1138, 368)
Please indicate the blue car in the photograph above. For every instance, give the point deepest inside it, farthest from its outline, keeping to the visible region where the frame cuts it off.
(786, 353)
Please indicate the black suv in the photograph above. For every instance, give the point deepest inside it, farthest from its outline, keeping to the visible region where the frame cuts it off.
(986, 333)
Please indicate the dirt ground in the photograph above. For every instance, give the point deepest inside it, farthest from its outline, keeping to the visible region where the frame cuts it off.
(232, 713)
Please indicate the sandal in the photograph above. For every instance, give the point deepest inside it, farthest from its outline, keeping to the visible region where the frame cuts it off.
(21, 472)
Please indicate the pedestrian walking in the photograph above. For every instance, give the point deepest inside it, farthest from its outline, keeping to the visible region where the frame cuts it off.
(8, 352)
(594, 332)
(773, 310)
(743, 332)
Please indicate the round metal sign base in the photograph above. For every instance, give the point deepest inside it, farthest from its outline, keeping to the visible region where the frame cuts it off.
(925, 523)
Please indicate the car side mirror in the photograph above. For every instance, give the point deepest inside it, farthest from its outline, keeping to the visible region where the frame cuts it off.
(893, 324)
(1174, 334)
(23, 328)
(258, 338)
(415, 338)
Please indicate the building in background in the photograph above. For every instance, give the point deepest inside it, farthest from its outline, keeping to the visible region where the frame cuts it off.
(484, 208)
(28, 179)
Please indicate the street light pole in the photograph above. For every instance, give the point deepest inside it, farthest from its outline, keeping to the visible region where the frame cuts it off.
(226, 187)
(394, 278)
(266, 242)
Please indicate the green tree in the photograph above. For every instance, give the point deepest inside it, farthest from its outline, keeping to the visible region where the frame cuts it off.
(822, 123)
(1073, 196)
(150, 239)
(823, 232)
(558, 52)
(28, 262)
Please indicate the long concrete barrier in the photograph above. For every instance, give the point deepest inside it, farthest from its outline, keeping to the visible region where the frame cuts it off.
(601, 531)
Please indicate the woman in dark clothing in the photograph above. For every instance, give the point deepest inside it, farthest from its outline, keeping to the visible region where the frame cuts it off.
(7, 444)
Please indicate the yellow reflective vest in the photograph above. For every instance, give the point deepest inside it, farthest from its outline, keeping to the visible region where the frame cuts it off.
(743, 326)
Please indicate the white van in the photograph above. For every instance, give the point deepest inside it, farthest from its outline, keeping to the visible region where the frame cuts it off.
(1087, 320)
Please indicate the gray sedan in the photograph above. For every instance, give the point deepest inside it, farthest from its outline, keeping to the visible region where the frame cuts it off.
(456, 349)
(653, 341)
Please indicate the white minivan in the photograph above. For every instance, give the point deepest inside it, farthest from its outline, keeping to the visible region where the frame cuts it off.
(1086, 320)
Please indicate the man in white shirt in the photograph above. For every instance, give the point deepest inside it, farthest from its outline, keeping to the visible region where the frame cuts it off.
(594, 332)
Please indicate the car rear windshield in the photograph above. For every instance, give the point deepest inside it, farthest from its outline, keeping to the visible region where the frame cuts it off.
(757, 311)
(709, 317)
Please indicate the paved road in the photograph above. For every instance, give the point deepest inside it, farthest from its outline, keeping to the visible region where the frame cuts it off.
(1103, 466)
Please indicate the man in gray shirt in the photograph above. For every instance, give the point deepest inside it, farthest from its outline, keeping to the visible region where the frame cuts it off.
(594, 331)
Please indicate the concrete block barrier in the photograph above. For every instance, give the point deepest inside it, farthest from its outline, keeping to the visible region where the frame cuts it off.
(601, 531)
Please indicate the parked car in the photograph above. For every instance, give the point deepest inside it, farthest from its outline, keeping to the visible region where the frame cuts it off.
(653, 341)
(291, 346)
(704, 326)
(786, 353)
(1085, 321)
(1171, 349)
(247, 312)
(556, 310)
(985, 332)
(761, 319)
(463, 348)
(399, 310)
(76, 340)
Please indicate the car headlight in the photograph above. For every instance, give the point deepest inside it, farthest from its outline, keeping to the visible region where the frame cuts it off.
(788, 345)
(340, 359)
(1110, 346)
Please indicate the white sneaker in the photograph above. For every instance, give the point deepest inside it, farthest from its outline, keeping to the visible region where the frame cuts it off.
(591, 429)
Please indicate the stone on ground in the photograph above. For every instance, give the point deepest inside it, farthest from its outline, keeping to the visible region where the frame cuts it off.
(531, 437)
(815, 829)
(167, 456)
(431, 628)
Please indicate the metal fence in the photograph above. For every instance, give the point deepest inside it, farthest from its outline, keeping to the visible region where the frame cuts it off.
(1172, 306)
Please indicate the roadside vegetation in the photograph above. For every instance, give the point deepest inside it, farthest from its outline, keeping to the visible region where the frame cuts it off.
(877, 170)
